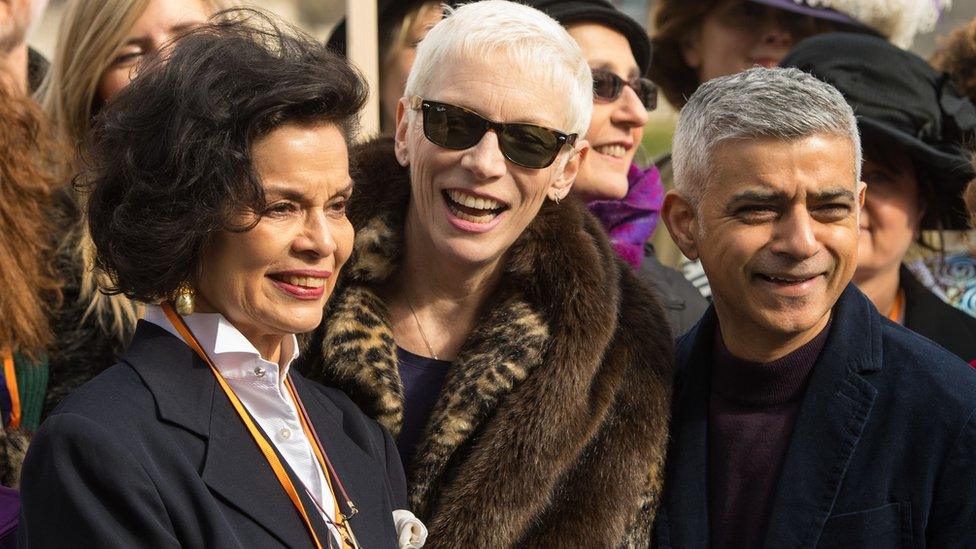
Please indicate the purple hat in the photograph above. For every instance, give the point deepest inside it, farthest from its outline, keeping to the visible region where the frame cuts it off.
(803, 8)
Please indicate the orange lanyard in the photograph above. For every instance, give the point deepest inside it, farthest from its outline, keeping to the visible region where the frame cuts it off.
(10, 374)
(265, 447)
(896, 308)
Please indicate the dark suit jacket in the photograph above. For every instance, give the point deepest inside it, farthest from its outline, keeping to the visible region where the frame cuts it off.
(151, 454)
(928, 315)
(883, 453)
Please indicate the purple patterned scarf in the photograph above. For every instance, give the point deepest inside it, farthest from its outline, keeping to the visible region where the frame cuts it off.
(630, 221)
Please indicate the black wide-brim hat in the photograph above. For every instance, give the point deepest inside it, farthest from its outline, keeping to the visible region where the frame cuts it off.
(567, 12)
(900, 99)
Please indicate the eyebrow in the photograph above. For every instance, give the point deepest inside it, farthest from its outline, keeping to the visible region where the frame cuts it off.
(754, 195)
(296, 196)
(632, 73)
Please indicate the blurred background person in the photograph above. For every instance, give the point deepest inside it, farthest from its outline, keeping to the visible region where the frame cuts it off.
(219, 184)
(952, 276)
(30, 162)
(401, 25)
(100, 48)
(697, 41)
(22, 65)
(914, 130)
(509, 350)
(624, 197)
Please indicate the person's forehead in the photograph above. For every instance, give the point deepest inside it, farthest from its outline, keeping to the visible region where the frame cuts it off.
(813, 163)
(504, 92)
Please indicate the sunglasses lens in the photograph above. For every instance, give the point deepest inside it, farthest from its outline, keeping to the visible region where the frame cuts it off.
(529, 146)
(647, 92)
(606, 85)
(452, 127)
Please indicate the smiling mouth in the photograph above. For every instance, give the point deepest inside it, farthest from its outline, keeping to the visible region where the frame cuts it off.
(787, 281)
(615, 151)
(309, 282)
(471, 208)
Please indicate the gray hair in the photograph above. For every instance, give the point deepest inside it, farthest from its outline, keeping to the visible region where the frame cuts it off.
(509, 33)
(786, 104)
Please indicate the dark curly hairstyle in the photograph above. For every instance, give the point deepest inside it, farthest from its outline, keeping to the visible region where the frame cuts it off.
(170, 158)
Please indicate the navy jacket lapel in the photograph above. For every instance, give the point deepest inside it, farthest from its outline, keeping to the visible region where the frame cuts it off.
(828, 428)
(686, 497)
(187, 395)
(354, 467)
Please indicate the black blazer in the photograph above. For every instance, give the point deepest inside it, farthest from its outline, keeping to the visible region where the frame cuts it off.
(928, 315)
(151, 454)
(883, 453)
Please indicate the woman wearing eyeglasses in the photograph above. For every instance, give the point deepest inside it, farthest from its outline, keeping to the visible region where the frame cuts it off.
(624, 197)
(219, 181)
(522, 368)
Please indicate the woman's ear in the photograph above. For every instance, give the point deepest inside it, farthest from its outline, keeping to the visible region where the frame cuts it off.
(564, 178)
(691, 50)
(400, 144)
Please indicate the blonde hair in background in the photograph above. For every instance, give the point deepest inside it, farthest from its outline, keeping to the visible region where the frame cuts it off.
(90, 35)
(401, 36)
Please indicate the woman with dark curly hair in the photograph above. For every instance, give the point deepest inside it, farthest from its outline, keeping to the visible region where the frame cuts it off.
(217, 198)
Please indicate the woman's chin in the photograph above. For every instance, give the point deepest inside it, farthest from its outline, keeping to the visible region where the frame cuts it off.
(608, 186)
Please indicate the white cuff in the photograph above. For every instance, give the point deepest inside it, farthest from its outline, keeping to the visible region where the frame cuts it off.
(411, 533)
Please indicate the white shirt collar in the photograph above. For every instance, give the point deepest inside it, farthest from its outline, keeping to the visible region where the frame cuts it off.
(232, 353)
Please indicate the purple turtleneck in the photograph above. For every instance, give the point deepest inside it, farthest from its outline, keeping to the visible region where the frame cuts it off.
(752, 411)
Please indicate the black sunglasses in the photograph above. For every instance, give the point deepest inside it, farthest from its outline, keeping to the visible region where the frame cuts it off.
(608, 87)
(453, 127)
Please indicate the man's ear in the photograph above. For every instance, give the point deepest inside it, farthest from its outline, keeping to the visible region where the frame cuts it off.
(563, 182)
(681, 220)
(400, 143)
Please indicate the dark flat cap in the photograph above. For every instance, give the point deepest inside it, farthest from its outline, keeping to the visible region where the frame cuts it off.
(568, 12)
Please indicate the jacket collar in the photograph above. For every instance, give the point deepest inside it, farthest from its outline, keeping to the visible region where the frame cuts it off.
(834, 410)
(188, 396)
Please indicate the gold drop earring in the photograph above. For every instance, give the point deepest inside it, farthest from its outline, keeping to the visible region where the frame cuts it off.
(183, 301)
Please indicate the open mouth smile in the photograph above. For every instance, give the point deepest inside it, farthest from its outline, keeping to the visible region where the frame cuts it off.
(471, 208)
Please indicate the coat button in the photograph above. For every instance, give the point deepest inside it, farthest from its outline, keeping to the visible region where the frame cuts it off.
(259, 371)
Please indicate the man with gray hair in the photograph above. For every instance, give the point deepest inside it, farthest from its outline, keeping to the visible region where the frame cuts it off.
(802, 417)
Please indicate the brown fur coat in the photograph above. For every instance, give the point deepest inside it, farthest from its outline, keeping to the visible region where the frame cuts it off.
(551, 429)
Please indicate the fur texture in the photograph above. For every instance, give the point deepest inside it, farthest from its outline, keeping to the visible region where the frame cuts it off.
(551, 429)
(13, 448)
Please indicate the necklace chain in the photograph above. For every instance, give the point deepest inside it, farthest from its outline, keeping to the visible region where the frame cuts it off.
(421, 329)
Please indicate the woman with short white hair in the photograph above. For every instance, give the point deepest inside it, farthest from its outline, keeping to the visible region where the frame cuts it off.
(486, 321)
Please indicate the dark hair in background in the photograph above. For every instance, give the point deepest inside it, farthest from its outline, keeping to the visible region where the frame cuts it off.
(675, 23)
(957, 56)
(170, 158)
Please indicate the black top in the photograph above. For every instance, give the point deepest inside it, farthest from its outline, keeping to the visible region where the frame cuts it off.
(752, 410)
(151, 453)
(682, 302)
(423, 378)
(935, 319)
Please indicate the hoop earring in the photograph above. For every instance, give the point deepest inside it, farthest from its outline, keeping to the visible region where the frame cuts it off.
(183, 301)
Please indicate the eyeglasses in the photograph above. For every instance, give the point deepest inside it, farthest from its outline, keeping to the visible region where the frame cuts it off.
(457, 128)
(608, 87)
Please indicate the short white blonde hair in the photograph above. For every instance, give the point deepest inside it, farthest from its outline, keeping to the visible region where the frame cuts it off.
(513, 34)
